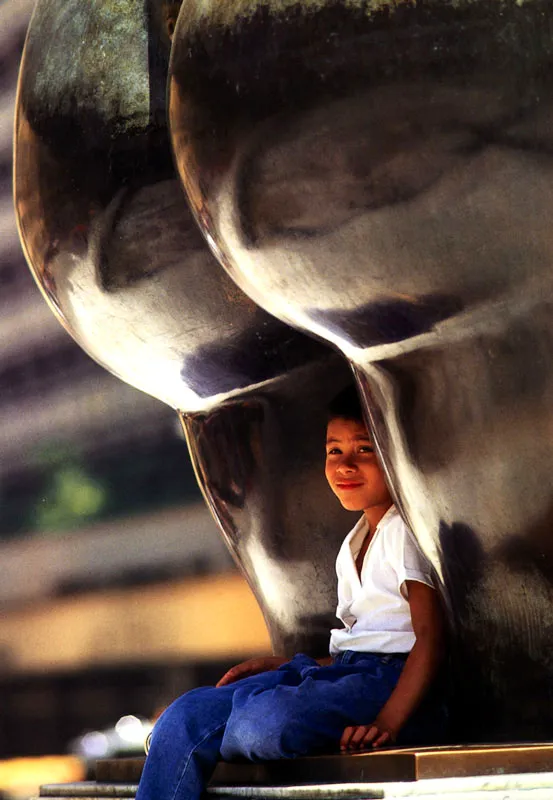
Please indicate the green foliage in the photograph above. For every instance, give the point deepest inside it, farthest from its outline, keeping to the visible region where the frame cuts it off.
(71, 498)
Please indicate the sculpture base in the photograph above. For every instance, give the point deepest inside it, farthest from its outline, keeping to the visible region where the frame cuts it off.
(508, 772)
(530, 786)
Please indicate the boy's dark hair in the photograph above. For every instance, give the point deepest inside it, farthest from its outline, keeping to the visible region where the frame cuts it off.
(346, 405)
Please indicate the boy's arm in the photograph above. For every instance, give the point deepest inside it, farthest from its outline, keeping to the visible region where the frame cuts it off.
(420, 670)
(253, 666)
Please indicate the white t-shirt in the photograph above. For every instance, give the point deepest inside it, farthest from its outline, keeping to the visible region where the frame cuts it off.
(374, 610)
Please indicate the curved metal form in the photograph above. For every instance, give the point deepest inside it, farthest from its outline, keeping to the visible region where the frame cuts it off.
(114, 248)
(380, 175)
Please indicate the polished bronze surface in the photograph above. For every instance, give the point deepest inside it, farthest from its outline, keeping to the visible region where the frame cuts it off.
(402, 764)
(114, 248)
(377, 175)
(390, 765)
(380, 175)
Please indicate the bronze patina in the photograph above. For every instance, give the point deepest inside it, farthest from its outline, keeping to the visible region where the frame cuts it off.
(373, 181)
(380, 175)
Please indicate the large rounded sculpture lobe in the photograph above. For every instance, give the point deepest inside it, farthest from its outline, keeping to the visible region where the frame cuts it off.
(115, 250)
(380, 175)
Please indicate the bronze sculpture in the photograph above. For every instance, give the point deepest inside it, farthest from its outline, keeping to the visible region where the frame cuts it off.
(376, 176)
(115, 249)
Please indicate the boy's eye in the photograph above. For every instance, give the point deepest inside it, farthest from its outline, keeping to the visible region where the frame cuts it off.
(334, 451)
(366, 448)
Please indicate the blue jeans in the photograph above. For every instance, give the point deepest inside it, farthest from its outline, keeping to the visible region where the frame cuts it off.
(299, 709)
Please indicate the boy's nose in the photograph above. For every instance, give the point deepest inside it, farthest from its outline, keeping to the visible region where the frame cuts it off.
(347, 465)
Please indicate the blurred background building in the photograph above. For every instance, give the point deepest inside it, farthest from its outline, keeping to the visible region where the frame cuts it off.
(109, 560)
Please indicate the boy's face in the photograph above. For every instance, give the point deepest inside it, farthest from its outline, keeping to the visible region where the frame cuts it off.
(352, 467)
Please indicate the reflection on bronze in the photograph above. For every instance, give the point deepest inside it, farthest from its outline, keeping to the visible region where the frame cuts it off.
(120, 259)
(377, 175)
(380, 175)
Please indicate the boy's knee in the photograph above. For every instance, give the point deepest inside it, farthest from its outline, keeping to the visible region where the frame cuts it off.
(251, 735)
(265, 726)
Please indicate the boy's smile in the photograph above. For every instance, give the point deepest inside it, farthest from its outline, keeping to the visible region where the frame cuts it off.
(352, 467)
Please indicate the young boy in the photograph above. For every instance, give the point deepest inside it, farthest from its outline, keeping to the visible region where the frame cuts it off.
(369, 692)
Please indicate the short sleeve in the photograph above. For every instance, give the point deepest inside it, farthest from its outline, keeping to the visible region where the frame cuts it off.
(411, 563)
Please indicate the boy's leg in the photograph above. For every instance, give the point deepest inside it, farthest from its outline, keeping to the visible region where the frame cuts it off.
(185, 745)
(292, 720)
(187, 737)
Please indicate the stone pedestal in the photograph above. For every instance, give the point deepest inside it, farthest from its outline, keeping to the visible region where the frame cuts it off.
(508, 772)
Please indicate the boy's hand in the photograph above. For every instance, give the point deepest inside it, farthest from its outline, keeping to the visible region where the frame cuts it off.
(253, 666)
(361, 737)
(420, 669)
